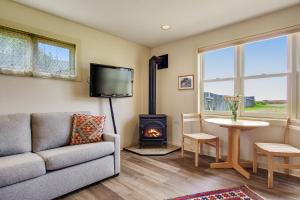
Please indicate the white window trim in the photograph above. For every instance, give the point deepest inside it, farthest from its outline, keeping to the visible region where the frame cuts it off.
(292, 74)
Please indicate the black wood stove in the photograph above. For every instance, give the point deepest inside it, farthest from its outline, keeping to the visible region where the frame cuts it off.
(152, 126)
(153, 129)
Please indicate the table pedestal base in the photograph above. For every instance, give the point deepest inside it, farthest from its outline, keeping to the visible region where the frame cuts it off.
(233, 154)
(230, 165)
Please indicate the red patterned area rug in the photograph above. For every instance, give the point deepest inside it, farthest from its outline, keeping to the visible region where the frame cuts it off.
(237, 193)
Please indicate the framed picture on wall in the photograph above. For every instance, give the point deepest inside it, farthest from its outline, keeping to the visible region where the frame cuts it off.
(186, 82)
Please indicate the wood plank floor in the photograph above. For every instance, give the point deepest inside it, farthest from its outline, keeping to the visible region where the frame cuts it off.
(162, 177)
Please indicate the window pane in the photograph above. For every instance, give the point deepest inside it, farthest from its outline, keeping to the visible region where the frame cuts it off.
(14, 50)
(54, 59)
(214, 95)
(266, 57)
(219, 63)
(266, 95)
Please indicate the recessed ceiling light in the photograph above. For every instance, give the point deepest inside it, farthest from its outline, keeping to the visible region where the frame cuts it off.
(165, 27)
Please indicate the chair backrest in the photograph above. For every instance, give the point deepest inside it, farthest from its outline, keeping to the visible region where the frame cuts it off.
(190, 117)
(287, 131)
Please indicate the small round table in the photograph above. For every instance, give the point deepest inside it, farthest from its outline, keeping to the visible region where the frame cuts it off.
(233, 151)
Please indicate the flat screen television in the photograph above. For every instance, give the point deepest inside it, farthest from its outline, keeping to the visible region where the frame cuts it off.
(110, 81)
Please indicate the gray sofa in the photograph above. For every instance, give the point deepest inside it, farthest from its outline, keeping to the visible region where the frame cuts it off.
(37, 163)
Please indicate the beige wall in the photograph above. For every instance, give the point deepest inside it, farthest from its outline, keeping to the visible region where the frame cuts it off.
(26, 94)
(183, 60)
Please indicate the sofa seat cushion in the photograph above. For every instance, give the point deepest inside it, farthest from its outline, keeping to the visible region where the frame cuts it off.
(20, 167)
(72, 155)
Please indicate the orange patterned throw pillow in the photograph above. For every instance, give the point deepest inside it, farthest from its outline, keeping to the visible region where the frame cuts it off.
(87, 129)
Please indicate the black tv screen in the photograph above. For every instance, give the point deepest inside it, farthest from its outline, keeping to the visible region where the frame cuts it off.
(110, 81)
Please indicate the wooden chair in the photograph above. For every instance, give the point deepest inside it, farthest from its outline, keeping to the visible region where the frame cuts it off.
(198, 138)
(283, 150)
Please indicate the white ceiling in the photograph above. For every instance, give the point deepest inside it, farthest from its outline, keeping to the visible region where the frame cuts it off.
(140, 20)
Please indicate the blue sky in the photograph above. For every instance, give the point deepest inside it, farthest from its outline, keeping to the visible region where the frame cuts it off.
(268, 56)
(263, 57)
(219, 64)
(57, 52)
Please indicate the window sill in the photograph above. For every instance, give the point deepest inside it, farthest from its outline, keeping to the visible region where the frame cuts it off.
(29, 74)
(273, 121)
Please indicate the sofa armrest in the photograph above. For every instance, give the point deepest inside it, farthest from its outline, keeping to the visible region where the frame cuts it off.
(116, 140)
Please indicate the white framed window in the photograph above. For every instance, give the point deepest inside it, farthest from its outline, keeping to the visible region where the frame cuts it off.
(264, 78)
(32, 55)
(218, 74)
(265, 72)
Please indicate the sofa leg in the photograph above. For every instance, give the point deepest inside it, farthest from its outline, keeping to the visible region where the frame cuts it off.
(116, 174)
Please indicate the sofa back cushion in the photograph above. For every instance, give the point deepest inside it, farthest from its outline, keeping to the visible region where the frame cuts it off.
(15, 134)
(51, 130)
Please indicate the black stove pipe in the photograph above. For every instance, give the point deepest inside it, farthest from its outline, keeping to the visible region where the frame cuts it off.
(152, 85)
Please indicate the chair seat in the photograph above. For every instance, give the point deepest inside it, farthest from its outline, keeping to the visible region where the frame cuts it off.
(67, 156)
(278, 149)
(200, 136)
(20, 167)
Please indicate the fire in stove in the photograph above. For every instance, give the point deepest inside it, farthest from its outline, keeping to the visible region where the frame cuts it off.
(152, 132)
